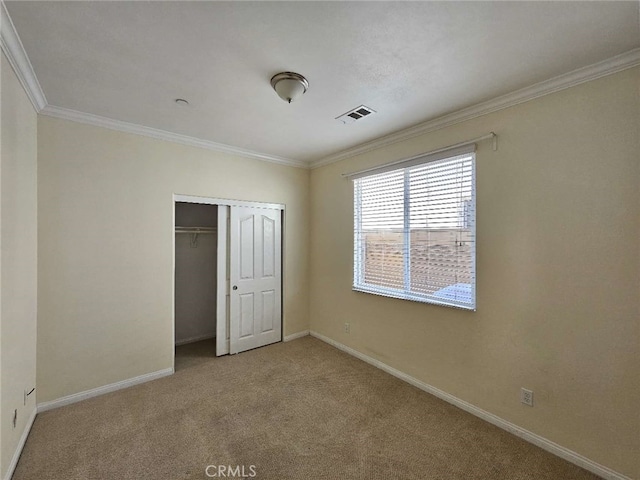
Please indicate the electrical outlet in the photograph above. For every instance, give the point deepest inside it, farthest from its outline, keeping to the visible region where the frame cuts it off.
(15, 418)
(526, 397)
(347, 327)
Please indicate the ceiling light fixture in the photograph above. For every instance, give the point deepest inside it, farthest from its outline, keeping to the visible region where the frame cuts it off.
(289, 86)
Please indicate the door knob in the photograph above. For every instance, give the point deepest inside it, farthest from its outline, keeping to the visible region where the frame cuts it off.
(235, 287)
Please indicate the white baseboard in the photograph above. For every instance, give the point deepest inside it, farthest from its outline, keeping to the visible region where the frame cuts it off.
(20, 446)
(530, 437)
(197, 338)
(293, 336)
(95, 392)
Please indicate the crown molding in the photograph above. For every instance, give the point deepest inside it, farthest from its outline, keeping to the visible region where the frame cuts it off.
(14, 50)
(98, 121)
(612, 65)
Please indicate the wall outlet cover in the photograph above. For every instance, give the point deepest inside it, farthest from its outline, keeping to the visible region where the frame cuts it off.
(526, 397)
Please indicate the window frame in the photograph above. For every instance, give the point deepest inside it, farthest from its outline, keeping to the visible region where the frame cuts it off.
(405, 293)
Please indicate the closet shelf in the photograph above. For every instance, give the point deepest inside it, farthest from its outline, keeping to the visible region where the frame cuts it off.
(196, 229)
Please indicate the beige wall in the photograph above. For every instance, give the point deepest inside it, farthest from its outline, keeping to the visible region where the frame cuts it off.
(558, 266)
(18, 238)
(105, 247)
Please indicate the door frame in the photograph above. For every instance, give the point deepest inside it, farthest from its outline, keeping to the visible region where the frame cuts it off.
(222, 284)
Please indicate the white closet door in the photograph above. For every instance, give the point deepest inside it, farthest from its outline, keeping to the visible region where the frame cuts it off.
(223, 299)
(256, 277)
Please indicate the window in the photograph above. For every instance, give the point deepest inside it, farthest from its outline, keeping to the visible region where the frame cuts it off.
(414, 229)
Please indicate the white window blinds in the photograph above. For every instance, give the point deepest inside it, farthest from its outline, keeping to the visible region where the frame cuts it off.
(414, 230)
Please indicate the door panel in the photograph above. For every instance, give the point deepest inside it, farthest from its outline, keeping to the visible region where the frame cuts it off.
(256, 277)
(268, 247)
(268, 308)
(247, 314)
(247, 247)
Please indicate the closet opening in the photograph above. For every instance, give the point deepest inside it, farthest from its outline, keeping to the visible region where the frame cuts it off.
(195, 304)
(227, 277)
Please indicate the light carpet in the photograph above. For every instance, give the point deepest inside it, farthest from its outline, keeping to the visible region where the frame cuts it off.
(297, 410)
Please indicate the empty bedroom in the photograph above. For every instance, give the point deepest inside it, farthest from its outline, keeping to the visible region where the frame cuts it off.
(324, 240)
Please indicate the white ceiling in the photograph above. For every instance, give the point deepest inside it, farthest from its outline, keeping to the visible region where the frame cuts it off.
(411, 62)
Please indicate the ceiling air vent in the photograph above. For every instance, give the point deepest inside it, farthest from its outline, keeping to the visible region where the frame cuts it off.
(357, 113)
